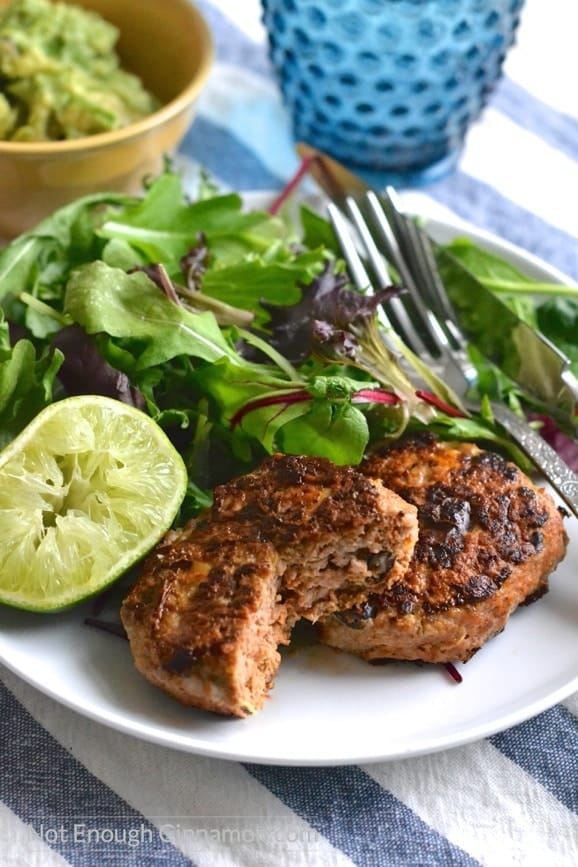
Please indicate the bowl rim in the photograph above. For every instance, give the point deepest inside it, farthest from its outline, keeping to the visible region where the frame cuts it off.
(132, 130)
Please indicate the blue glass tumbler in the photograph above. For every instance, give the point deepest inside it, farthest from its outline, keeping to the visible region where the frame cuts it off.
(389, 85)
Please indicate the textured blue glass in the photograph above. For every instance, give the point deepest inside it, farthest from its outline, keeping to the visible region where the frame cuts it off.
(389, 85)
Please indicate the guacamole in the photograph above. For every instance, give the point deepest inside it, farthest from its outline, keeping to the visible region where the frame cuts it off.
(60, 77)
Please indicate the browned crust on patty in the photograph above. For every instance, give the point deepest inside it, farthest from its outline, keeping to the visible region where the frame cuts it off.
(488, 540)
(204, 623)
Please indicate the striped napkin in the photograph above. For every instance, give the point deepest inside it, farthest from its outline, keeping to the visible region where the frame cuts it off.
(75, 792)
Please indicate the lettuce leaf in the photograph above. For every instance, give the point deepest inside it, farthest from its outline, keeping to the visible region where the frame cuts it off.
(26, 383)
(130, 306)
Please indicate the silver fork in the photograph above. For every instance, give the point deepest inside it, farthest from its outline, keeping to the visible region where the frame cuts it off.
(385, 234)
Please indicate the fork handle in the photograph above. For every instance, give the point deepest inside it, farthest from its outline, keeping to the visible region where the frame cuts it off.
(554, 469)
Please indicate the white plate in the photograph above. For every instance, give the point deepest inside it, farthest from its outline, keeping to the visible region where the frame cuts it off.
(326, 708)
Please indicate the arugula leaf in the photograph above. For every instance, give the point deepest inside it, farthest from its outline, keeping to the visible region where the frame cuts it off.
(120, 254)
(265, 423)
(163, 225)
(317, 232)
(26, 383)
(502, 277)
(104, 299)
(48, 252)
(247, 283)
(558, 320)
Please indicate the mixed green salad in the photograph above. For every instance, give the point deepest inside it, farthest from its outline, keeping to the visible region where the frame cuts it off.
(237, 331)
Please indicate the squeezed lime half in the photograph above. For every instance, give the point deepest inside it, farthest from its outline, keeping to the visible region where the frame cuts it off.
(86, 490)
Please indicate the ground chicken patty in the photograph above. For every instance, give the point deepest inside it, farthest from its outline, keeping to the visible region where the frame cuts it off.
(488, 540)
(299, 537)
(204, 623)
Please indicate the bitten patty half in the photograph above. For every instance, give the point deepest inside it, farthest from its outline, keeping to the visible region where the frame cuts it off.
(299, 537)
(488, 540)
(204, 624)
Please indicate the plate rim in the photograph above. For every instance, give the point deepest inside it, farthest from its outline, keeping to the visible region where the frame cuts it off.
(183, 744)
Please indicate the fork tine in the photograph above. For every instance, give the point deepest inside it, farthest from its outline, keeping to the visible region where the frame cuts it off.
(428, 285)
(416, 244)
(417, 318)
(362, 279)
(402, 322)
(356, 267)
(354, 262)
(420, 307)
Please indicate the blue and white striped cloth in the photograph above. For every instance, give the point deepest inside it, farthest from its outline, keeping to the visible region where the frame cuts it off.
(511, 799)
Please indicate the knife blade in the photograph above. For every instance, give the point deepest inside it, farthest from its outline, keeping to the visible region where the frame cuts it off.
(524, 354)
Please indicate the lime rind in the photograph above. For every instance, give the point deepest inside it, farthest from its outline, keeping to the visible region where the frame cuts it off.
(86, 490)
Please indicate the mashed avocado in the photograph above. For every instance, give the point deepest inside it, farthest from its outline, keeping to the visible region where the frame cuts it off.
(60, 76)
